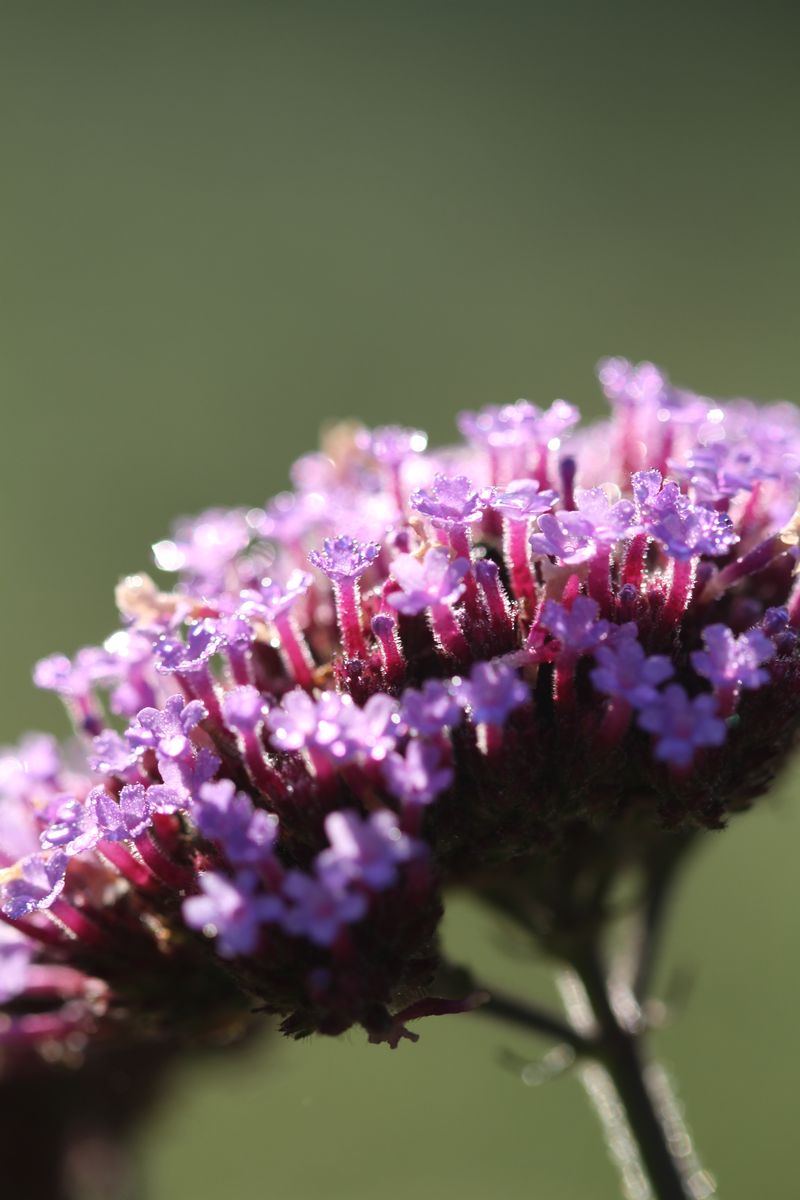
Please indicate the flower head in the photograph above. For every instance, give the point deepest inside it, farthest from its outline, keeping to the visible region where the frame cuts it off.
(558, 644)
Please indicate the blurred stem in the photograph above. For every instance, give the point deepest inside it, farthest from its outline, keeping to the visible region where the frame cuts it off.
(644, 1129)
(645, 1132)
(458, 981)
(661, 1141)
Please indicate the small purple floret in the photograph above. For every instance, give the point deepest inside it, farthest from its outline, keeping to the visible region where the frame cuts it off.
(682, 726)
(430, 711)
(203, 547)
(566, 536)
(363, 851)
(203, 641)
(271, 600)
(166, 730)
(523, 499)
(731, 662)
(231, 911)
(419, 775)
(625, 672)
(685, 530)
(491, 693)
(451, 501)
(428, 581)
(72, 827)
(578, 629)
(244, 709)
(392, 444)
(246, 834)
(344, 558)
(318, 911)
(123, 820)
(39, 882)
(111, 754)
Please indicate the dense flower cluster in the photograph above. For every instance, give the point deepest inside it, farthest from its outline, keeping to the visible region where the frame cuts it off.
(415, 667)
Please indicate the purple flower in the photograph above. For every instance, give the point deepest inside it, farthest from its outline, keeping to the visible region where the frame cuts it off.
(628, 384)
(72, 827)
(244, 709)
(290, 517)
(510, 425)
(129, 654)
(203, 641)
(164, 799)
(204, 547)
(523, 499)
(363, 851)
(123, 820)
(624, 671)
(166, 730)
(729, 662)
(491, 693)
(33, 883)
(373, 729)
(235, 631)
(575, 537)
(428, 581)
(392, 444)
(16, 953)
(73, 679)
(31, 767)
(19, 829)
(681, 726)
(685, 530)
(718, 471)
(455, 672)
(501, 426)
(318, 911)
(418, 776)
(646, 487)
(272, 599)
(694, 531)
(231, 911)
(611, 520)
(294, 722)
(335, 725)
(431, 710)
(344, 558)
(567, 536)
(246, 834)
(451, 501)
(578, 629)
(555, 421)
(112, 755)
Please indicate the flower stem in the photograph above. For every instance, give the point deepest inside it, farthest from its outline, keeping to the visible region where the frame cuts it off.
(666, 1153)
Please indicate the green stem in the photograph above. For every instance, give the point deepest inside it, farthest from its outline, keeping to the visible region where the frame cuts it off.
(505, 1008)
(653, 1119)
(644, 1129)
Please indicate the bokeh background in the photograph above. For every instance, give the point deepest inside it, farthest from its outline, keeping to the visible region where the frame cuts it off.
(223, 223)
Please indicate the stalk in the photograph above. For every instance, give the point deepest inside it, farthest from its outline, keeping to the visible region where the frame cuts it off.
(665, 1155)
(605, 1030)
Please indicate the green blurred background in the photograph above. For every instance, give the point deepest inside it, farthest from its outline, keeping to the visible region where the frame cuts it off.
(225, 223)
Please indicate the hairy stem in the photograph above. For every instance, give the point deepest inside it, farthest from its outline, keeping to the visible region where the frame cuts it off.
(535, 1019)
(662, 1143)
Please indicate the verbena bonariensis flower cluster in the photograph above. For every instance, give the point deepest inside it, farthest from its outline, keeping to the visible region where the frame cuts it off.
(524, 656)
